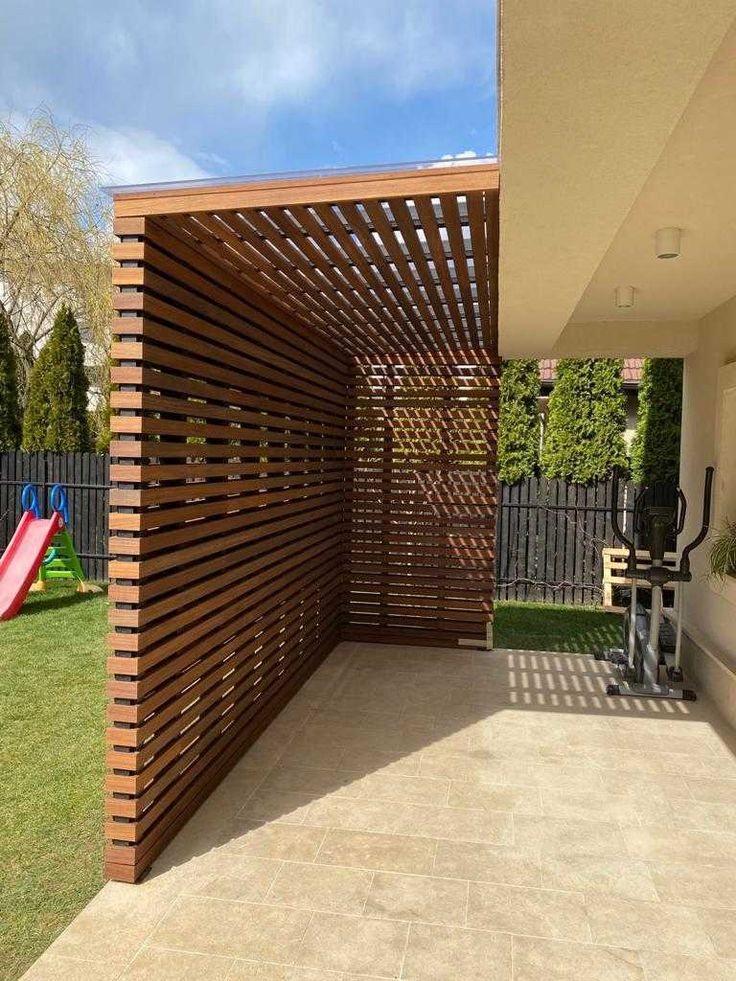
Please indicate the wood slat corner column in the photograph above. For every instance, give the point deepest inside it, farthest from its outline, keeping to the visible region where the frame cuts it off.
(227, 523)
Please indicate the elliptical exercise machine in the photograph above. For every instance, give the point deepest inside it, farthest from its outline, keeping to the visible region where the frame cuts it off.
(643, 655)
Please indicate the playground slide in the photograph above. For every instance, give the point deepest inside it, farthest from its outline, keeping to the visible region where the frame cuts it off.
(20, 561)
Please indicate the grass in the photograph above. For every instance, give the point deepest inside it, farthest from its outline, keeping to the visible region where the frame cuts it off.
(544, 627)
(52, 678)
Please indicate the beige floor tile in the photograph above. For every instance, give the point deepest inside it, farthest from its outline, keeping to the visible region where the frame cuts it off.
(559, 775)
(385, 817)
(536, 912)
(662, 845)
(720, 925)
(715, 791)
(233, 877)
(316, 781)
(290, 842)
(270, 804)
(253, 971)
(414, 897)
(453, 766)
(717, 767)
(628, 784)
(429, 821)
(694, 883)
(647, 926)
(406, 788)
(51, 967)
(390, 853)
(354, 944)
(567, 836)
(674, 967)
(447, 741)
(246, 930)
(458, 824)
(439, 953)
(155, 964)
(323, 753)
(601, 807)
(550, 960)
(321, 887)
(704, 815)
(117, 921)
(489, 863)
(379, 761)
(595, 874)
(520, 800)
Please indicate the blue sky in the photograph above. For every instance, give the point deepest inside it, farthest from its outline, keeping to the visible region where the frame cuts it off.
(177, 89)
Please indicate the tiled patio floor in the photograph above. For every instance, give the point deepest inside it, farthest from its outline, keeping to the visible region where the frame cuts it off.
(433, 815)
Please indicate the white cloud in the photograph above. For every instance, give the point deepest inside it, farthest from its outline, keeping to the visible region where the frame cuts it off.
(462, 158)
(252, 54)
(134, 156)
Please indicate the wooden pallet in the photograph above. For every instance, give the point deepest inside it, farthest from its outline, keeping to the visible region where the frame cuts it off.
(614, 570)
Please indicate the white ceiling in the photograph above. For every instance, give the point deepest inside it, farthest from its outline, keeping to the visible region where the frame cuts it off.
(590, 95)
(693, 187)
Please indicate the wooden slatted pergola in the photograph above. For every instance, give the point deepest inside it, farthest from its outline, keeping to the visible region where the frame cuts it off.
(305, 392)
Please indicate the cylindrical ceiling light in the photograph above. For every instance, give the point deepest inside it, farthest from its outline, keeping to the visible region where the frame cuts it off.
(624, 297)
(667, 243)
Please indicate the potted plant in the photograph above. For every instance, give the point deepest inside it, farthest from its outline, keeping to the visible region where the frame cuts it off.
(723, 552)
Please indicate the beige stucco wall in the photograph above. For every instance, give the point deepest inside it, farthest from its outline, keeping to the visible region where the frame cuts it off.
(710, 613)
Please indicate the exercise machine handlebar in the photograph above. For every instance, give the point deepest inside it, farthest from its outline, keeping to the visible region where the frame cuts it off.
(617, 530)
(707, 494)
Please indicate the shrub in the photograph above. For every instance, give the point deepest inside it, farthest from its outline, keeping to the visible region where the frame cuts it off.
(56, 412)
(518, 420)
(655, 451)
(584, 439)
(10, 428)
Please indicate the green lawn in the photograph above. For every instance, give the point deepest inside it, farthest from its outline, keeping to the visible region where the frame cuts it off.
(52, 677)
(51, 750)
(543, 627)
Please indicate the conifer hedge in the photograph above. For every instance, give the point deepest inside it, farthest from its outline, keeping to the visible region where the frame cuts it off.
(518, 420)
(56, 411)
(655, 451)
(10, 427)
(584, 439)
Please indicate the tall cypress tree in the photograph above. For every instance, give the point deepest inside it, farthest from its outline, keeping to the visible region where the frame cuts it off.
(10, 428)
(518, 420)
(584, 439)
(655, 451)
(56, 413)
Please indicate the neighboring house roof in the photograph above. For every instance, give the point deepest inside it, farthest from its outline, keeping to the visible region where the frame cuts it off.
(631, 374)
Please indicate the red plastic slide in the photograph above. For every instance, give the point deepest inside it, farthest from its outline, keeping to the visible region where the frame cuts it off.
(20, 561)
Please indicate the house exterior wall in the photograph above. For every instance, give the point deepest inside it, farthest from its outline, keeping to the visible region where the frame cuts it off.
(710, 609)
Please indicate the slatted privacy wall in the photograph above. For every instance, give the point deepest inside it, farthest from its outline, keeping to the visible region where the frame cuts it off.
(304, 404)
(422, 447)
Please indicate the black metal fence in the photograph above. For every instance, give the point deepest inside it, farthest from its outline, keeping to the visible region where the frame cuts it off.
(549, 533)
(549, 539)
(86, 479)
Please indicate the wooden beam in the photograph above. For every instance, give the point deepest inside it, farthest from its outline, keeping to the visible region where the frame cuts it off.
(279, 192)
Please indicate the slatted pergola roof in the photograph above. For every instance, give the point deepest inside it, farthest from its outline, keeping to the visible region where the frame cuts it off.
(396, 261)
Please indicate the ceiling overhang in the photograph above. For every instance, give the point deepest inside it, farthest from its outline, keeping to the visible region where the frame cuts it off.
(393, 261)
(590, 95)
